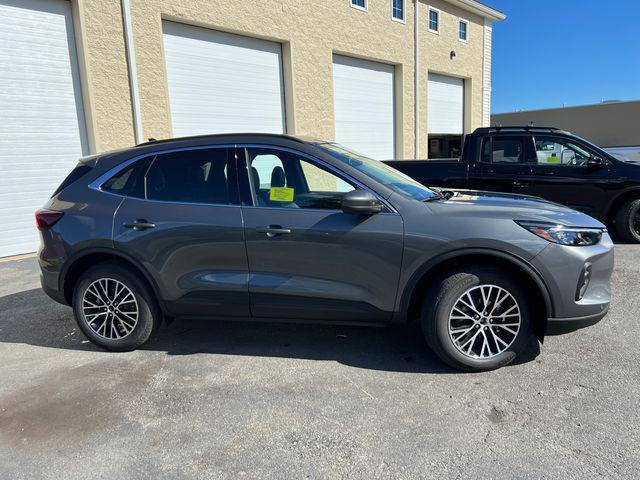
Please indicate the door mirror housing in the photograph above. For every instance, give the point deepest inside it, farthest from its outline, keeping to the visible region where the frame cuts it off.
(596, 162)
(362, 202)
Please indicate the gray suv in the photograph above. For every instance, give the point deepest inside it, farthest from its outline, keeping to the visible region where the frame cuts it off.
(282, 228)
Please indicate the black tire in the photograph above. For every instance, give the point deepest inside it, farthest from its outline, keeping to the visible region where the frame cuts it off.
(439, 303)
(628, 221)
(148, 317)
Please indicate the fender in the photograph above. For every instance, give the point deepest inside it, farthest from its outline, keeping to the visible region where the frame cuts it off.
(113, 253)
(614, 200)
(435, 261)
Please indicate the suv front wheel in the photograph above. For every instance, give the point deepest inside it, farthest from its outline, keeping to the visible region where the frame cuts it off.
(114, 308)
(477, 319)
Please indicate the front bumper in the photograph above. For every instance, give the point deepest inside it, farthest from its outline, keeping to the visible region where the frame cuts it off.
(559, 326)
(562, 269)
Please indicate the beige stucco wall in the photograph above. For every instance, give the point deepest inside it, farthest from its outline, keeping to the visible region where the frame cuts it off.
(310, 31)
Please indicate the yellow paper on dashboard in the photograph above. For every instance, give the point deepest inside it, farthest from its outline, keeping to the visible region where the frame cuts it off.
(281, 194)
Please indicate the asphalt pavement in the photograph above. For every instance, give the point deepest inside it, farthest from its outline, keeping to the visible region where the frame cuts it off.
(256, 400)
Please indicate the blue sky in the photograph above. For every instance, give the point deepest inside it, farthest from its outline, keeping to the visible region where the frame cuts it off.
(553, 52)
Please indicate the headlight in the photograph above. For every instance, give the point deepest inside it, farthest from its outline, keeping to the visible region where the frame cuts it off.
(575, 236)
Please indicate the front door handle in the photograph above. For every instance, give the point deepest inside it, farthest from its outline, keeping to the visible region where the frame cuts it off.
(521, 184)
(273, 230)
(139, 225)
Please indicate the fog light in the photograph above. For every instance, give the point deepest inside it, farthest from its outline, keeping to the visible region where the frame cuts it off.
(583, 281)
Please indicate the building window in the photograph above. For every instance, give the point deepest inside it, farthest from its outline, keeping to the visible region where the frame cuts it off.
(434, 20)
(359, 4)
(463, 30)
(397, 10)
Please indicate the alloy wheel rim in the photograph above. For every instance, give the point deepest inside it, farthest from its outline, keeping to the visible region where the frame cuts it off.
(635, 222)
(484, 321)
(110, 308)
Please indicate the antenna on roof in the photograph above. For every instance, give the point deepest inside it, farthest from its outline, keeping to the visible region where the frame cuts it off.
(151, 139)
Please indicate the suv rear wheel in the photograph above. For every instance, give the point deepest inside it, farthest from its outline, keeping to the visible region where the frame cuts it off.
(477, 319)
(628, 221)
(114, 308)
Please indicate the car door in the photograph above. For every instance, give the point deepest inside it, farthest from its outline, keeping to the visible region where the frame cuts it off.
(505, 165)
(180, 218)
(562, 174)
(307, 258)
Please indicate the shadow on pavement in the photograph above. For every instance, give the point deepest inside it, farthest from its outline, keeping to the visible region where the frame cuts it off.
(30, 317)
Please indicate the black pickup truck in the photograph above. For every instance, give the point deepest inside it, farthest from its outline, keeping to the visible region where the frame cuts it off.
(544, 162)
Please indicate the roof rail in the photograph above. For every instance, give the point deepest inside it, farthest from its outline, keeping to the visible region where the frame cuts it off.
(153, 141)
(497, 128)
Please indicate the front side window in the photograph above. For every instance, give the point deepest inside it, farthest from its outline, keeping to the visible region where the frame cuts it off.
(434, 20)
(560, 151)
(397, 9)
(379, 171)
(186, 176)
(503, 150)
(463, 30)
(284, 179)
(361, 4)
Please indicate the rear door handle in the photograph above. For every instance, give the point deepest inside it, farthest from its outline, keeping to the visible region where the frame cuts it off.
(139, 225)
(273, 230)
(521, 184)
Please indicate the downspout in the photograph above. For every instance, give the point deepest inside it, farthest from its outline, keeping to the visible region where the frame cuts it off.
(416, 80)
(133, 73)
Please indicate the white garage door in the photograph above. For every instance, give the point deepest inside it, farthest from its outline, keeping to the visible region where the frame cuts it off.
(221, 83)
(364, 106)
(42, 131)
(445, 105)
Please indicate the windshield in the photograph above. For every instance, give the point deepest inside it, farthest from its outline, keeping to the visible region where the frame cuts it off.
(382, 173)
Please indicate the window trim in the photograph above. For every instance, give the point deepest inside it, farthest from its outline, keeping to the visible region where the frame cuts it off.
(339, 173)
(402, 20)
(358, 7)
(429, 10)
(98, 183)
(466, 22)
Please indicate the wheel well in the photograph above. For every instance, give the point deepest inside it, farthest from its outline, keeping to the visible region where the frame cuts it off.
(426, 281)
(617, 203)
(80, 265)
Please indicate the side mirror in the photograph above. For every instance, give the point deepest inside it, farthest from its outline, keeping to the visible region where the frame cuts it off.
(362, 202)
(596, 162)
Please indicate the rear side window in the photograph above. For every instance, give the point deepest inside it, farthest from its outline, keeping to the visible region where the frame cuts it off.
(76, 174)
(503, 150)
(189, 176)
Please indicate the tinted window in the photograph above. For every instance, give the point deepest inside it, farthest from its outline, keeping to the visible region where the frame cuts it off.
(285, 179)
(129, 181)
(191, 176)
(75, 175)
(503, 150)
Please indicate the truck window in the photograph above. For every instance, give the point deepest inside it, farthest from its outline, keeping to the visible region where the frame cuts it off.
(560, 151)
(503, 150)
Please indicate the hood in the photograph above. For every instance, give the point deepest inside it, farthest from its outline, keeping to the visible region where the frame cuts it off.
(477, 203)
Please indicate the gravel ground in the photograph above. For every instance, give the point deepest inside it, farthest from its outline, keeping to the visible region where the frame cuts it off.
(252, 400)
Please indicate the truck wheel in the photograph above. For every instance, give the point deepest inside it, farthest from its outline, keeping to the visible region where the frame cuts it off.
(114, 308)
(477, 319)
(628, 221)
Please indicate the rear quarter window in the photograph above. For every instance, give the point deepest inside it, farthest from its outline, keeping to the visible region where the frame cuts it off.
(129, 181)
(76, 174)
